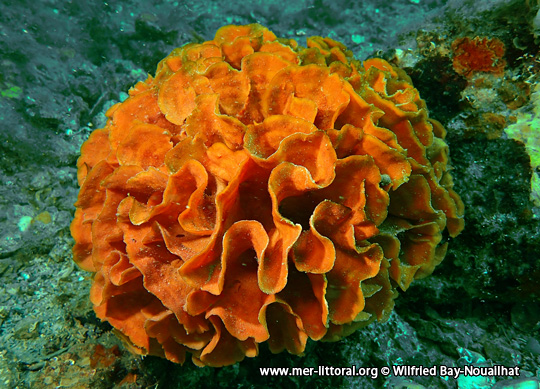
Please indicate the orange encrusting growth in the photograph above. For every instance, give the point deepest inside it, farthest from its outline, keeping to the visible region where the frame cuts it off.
(478, 55)
(257, 191)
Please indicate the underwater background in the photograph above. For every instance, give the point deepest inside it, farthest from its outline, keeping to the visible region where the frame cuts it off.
(477, 65)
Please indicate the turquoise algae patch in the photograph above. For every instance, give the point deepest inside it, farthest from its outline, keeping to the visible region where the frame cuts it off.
(527, 131)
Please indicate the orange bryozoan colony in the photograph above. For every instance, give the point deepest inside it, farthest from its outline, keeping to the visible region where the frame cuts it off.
(258, 191)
